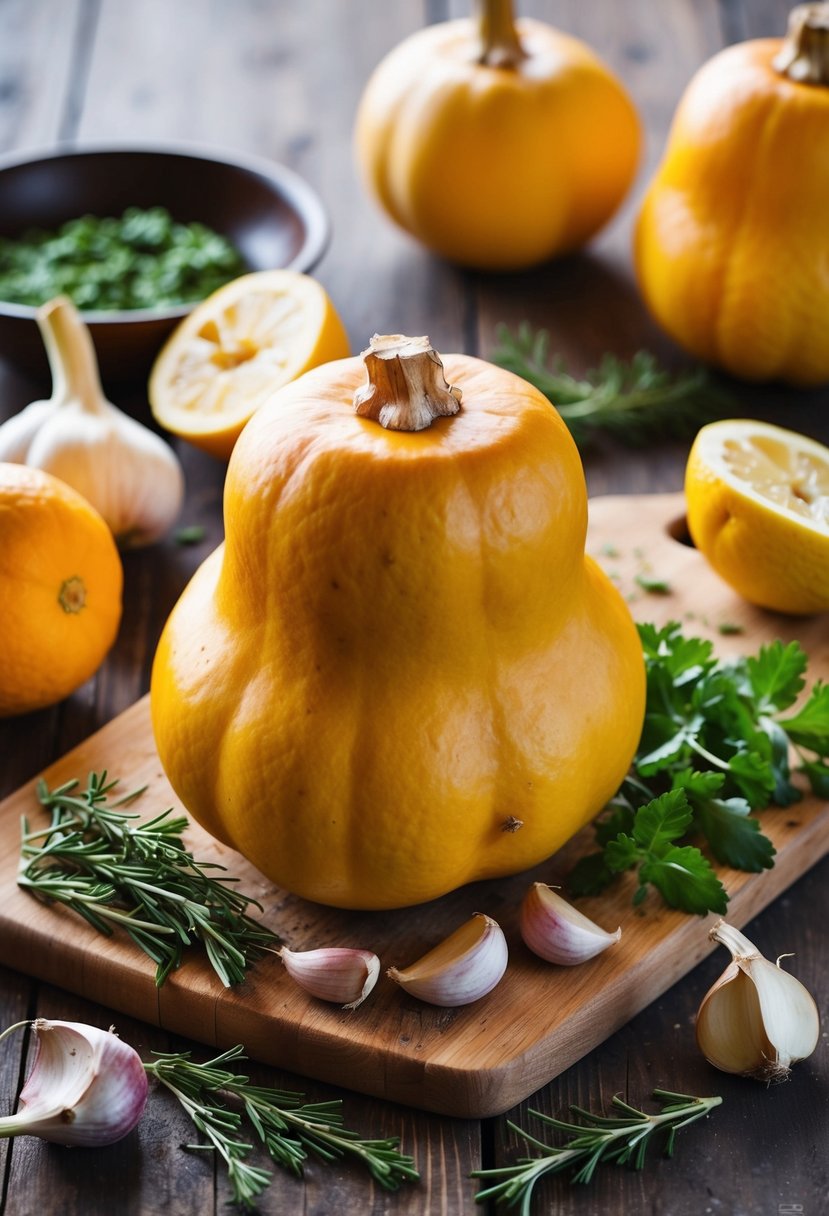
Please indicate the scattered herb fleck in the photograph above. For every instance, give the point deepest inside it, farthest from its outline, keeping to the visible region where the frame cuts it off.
(730, 627)
(191, 535)
(653, 586)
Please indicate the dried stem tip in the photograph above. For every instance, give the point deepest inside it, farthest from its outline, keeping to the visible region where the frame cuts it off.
(804, 56)
(500, 45)
(406, 388)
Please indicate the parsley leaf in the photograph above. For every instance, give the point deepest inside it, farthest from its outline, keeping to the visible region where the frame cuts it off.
(685, 880)
(776, 675)
(714, 748)
(735, 839)
(810, 727)
(681, 874)
(662, 820)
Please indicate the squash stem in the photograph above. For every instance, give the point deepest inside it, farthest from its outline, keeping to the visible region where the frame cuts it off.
(71, 353)
(500, 45)
(804, 56)
(406, 388)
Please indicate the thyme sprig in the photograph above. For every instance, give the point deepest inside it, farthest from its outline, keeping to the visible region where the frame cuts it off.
(287, 1127)
(634, 399)
(96, 858)
(622, 1140)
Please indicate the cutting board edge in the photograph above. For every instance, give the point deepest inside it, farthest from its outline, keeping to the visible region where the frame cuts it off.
(430, 1084)
(482, 1089)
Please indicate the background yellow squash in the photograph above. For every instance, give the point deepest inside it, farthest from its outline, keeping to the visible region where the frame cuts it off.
(498, 145)
(400, 672)
(732, 242)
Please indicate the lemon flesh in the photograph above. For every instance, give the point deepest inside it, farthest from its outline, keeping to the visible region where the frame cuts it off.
(758, 510)
(241, 344)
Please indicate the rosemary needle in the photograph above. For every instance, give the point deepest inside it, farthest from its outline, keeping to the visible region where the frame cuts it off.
(633, 400)
(288, 1128)
(597, 1138)
(95, 858)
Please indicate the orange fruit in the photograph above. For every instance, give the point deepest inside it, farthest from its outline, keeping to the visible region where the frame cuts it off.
(758, 510)
(60, 589)
(236, 348)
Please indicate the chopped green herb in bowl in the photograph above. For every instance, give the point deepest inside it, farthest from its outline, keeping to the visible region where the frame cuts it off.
(137, 236)
(142, 259)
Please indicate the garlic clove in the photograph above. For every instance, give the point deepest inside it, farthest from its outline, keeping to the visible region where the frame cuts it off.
(87, 1088)
(335, 973)
(463, 968)
(558, 932)
(757, 1019)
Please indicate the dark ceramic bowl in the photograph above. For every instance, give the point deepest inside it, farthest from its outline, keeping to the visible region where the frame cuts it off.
(265, 209)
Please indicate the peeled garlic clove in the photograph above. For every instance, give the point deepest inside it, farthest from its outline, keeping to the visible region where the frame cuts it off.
(463, 968)
(757, 1020)
(87, 1088)
(558, 932)
(334, 973)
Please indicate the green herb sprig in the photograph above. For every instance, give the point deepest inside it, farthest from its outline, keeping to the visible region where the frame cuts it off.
(96, 859)
(715, 746)
(288, 1128)
(634, 400)
(596, 1139)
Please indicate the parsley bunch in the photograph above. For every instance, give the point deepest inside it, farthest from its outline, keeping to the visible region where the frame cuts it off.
(714, 747)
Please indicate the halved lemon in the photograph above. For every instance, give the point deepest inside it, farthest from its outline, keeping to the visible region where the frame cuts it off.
(758, 510)
(236, 348)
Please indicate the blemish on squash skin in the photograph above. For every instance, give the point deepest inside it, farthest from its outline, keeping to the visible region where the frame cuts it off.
(511, 824)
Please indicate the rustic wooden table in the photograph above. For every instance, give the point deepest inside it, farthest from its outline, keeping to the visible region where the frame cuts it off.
(282, 80)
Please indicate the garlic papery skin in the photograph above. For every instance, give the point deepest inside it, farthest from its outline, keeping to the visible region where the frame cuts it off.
(463, 968)
(558, 932)
(87, 1088)
(127, 472)
(334, 973)
(757, 1020)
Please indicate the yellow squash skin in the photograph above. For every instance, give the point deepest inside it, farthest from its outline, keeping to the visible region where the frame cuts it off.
(732, 242)
(400, 649)
(496, 167)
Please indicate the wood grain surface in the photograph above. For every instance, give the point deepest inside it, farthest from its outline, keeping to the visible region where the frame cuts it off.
(478, 1060)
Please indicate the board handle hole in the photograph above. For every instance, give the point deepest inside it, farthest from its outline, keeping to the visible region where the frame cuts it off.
(677, 529)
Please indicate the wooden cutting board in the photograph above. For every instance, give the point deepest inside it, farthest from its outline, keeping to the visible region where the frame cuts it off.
(481, 1059)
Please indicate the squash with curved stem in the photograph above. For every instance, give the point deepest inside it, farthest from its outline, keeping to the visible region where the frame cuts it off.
(400, 672)
(497, 144)
(732, 241)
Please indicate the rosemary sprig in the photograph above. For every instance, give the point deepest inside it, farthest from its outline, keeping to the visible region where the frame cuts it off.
(633, 400)
(596, 1139)
(96, 859)
(288, 1128)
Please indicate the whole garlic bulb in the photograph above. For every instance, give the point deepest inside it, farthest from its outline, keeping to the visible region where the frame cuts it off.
(127, 472)
(757, 1020)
